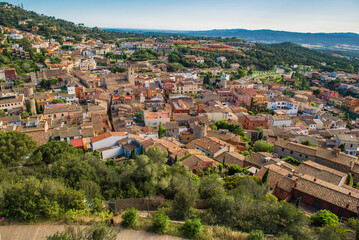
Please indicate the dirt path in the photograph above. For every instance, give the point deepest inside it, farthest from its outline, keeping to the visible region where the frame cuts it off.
(40, 232)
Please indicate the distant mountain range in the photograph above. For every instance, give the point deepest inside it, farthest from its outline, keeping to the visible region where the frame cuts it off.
(333, 41)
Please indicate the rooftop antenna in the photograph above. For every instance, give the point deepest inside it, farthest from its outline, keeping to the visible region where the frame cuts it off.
(22, 6)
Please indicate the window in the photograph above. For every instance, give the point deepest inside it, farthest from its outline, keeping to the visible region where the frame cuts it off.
(291, 152)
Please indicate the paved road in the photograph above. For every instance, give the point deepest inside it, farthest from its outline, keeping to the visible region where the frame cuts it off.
(40, 232)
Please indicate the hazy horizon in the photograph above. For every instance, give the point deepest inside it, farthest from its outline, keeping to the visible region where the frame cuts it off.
(181, 30)
(320, 16)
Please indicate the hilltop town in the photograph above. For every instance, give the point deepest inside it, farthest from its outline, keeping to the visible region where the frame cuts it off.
(207, 104)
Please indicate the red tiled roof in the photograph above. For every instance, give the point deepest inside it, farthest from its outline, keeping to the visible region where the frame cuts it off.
(77, 143)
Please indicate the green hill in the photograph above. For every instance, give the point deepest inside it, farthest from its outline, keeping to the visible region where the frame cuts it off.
(14, 17)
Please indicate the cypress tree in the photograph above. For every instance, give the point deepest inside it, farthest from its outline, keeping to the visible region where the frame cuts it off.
(142, 150)
(349, 179)
(297, 202)
(265, 176)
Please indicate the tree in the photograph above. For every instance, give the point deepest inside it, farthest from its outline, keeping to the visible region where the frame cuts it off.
(308, 143)
(53, 151)
(224, 161)
(220, 167)
(161, 131)
(349, 180)
(342, 147)
(234, 168)
(193, 227)
(29, 199)
(256, 235)
(142, 150)
(292, 161)
(14, 148)
(262, 146)
(129, 218)
(316, 92)
(185, 196)
(25, 115)
(58, 100)
(324, 218)
(297, 202)
(28, 107)
(133, 154)
(37, 107)
(2, 113)
(160, 222)
(265, 176)
(139, 117)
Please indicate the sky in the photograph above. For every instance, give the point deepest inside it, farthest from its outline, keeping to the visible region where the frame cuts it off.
(286, 15)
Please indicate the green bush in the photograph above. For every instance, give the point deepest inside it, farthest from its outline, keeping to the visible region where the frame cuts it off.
(292, 161)
(262, 146)
(160, 222)
(129, 218)
(256, 235)
(234, 168)
(324, 218)
(193, 227)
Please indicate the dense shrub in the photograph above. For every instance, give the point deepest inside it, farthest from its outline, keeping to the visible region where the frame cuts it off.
(256, 235)
(193, 227)
(292, 161)
(129, 218)
(324, 217)
(262, 146)
(160, 222)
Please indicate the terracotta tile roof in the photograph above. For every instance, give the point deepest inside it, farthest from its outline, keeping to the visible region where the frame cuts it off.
(156, 114)
(338, 196)
(321, 172)
(77, 143)
(258, 159)
(107, 135)
(211, 144)
(297, 147)
(183, 152)
(278, 175)
(195, 161)
(231, 158)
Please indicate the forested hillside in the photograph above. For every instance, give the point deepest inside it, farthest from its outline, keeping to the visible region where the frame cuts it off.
(265, 57)
(12, 16)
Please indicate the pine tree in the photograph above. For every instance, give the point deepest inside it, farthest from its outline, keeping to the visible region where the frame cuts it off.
(176, 159)
(265, 176)
(224, 160)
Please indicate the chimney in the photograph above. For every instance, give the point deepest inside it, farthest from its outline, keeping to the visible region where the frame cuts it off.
(347, 206)
(350, 193)
(315, 179)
